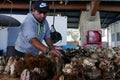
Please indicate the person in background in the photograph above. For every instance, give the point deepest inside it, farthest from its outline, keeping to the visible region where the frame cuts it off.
(34, 30)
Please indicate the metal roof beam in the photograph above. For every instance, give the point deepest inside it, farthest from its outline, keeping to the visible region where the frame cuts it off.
(80, 7)
(94, 6)
(114, 8)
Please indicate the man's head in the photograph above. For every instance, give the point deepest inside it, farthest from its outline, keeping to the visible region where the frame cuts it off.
(40, 10)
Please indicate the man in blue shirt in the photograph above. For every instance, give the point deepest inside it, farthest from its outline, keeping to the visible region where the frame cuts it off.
(33, 31)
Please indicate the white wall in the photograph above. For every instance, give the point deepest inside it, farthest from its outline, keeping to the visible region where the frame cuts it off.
(104, 35)
(113, 31)
(12, 35)
(60, 26)
(3, 39)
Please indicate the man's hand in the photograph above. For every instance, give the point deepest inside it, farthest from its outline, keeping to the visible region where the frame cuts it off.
(56, 52)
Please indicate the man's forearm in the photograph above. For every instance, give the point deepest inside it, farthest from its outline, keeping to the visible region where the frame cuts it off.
(50, 44)
(38, 45)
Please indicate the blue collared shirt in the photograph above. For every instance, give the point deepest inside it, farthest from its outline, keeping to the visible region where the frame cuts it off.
(29, 29)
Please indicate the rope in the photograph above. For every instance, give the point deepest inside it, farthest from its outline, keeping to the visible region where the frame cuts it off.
(2, 4)
(53, 4)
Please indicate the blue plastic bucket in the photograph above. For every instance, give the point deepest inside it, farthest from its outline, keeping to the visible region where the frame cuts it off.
(68, 47)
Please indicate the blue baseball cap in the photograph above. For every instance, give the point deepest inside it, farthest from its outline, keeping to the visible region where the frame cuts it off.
(41, 6)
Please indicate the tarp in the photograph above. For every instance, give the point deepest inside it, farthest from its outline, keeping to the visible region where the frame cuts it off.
(8, 21)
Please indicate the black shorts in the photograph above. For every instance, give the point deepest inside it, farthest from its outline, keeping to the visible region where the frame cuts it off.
(19, 54)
